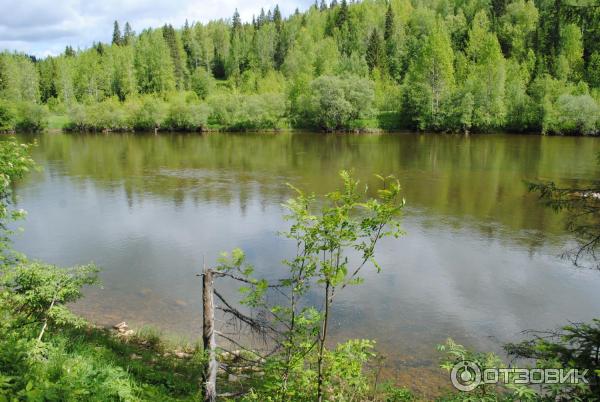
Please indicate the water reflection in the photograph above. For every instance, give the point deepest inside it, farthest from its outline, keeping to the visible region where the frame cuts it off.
(479, 261)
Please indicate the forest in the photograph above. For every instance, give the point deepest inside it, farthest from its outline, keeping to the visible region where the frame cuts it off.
(430, 65)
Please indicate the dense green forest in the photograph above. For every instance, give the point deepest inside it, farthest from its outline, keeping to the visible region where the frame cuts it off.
(443, 65)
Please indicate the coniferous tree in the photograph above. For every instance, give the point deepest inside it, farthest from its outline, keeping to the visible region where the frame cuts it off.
(69, 52)
(99, 48)
(116, 36)
(262, 18)
(375, 55)
(234, 60)
(236, 22)
(277, 17)
(392, 57)
(128, 34)
(342, 15)
(512, 59)
(388, 33)
(280, 48)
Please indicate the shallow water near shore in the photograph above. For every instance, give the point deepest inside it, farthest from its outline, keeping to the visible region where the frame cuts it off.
(479, 262)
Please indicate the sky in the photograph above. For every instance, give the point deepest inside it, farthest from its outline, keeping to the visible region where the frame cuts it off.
(45, 27)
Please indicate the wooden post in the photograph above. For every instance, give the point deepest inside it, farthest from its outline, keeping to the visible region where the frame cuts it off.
(208, 337)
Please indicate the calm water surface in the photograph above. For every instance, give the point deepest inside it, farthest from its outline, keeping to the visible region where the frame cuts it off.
(480, 260)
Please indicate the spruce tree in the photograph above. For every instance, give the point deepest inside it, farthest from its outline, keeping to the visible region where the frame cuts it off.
(388, 33)
(375, 54)
(277, 18)
(279, 45)
(116, 37)
(392, 58)
(69, 52)
(236, 22)
(342, 15)
(128, 34)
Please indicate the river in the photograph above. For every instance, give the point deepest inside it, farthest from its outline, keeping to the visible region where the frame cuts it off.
(480, 261)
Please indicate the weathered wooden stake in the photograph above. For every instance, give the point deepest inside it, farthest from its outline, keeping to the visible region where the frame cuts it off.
(208, 337)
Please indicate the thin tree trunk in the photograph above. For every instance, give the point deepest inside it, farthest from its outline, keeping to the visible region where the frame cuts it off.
(208, 337)
(48, 312)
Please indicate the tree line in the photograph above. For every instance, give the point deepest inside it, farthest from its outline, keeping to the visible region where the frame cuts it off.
(441, 65)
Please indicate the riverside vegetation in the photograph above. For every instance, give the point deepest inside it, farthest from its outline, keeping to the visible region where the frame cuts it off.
(443, 65)
(49, 354)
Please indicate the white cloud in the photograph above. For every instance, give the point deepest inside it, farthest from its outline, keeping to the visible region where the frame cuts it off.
(45, 27)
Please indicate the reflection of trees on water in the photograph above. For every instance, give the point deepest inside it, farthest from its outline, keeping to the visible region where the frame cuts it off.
(477, 179)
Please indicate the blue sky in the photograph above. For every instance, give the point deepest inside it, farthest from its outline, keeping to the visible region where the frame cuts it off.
(45, 27)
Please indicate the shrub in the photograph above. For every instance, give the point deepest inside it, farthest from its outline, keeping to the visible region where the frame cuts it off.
(107, 115)
(333, 102)
(77, 116)
(31, 117)
(242, 112)
(8, 116)
(186, 116)
(147, 113)
(202, 82)
(573, 114)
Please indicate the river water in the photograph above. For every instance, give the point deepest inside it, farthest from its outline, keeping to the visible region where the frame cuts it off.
(480, 261)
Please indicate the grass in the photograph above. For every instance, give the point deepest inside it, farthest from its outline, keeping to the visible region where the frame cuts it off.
(57, 122)
(97, 364)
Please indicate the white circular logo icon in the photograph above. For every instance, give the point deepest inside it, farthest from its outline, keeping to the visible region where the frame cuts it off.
(465, 376)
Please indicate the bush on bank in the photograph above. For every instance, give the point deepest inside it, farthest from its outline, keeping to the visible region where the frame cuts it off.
(180, 112)
(22, 116)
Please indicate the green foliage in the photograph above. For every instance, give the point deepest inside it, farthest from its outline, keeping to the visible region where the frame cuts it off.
(333, 102)
(574, 346)
(248, 112)
(202, 82)
(15, 162)
(147, 113)
(486, 75)
(186, 116)
(8, 116)
(31, 116)
(572, 114)
(463, 65)
(49, 354)
(153, 64)
(107, 115)
(18, 78)
(430, 80)
(348, 221)
(455, 353)
(37, 293)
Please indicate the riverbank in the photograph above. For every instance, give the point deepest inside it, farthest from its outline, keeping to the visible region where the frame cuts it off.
(185, 112)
